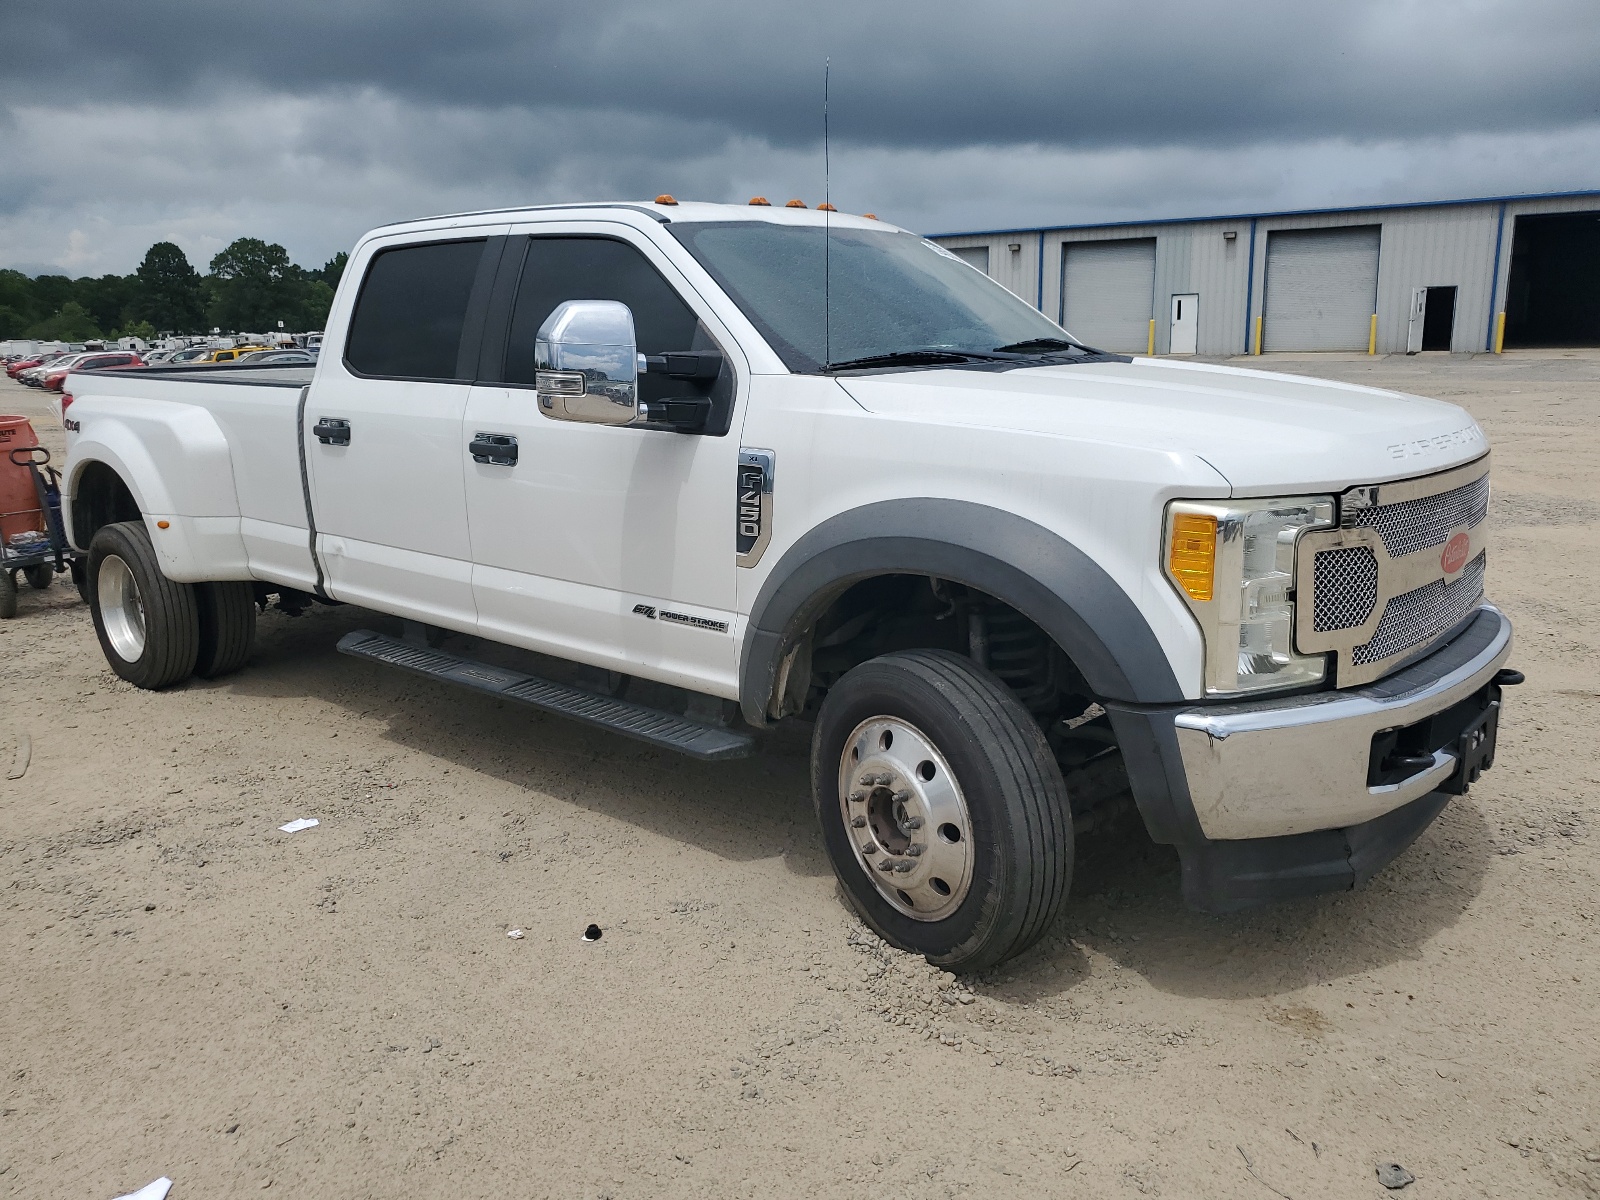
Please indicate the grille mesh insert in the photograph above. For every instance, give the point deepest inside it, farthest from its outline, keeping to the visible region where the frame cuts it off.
(1413, 525)
(1346, 588)
(1423, 614)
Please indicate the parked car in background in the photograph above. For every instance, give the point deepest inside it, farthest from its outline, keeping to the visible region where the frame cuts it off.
(107, 361)
(282, 358)
(28, 362)
(229, 354)
(156, 357)
(35, 376)
(189, 355)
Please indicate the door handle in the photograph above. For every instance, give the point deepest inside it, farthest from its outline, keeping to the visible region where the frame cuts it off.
(332, 431)
(493, 449)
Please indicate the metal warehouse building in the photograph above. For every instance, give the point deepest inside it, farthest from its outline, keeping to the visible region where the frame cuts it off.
(1462, 275)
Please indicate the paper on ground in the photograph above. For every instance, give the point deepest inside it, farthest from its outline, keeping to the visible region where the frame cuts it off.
(150, 1191)
(296, 826)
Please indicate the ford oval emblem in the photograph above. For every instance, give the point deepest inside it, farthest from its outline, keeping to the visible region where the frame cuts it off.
(1455, 554)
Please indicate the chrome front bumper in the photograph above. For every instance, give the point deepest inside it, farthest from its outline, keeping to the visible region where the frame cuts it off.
(1275, 768)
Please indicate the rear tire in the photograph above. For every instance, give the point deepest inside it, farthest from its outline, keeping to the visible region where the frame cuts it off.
(963, 851)
(227, 627)
(147, 624)
(39, 577)
(8, 595)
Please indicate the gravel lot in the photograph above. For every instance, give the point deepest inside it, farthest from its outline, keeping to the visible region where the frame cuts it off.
(339, 1012)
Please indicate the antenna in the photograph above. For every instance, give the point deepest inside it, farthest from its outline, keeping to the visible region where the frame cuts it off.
(827, 226)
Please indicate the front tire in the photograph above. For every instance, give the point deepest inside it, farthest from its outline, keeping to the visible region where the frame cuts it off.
(39, 577)
(148, 626)
(942, 808)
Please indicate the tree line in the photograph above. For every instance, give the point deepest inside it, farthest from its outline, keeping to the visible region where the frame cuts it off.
(252, 286)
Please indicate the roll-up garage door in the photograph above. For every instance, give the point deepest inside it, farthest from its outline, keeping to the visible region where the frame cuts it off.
(1108, 293)
(1322, 288)
(973, 256)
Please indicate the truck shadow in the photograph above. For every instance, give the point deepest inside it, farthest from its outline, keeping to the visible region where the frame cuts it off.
(745, 810)
(1125, 908)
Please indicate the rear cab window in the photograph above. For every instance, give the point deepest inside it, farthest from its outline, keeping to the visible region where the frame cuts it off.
(411, 312)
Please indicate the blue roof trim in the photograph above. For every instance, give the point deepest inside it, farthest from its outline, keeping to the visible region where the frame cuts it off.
(1293, 212)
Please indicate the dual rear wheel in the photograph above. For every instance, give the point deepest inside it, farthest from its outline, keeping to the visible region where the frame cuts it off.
(156, 632)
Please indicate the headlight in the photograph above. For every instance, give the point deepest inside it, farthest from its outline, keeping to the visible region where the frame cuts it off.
(1233, 564)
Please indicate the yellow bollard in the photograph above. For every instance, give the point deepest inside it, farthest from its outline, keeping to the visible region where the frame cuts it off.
(1500, 332)
(1372, 335)
(1150, 348)
(1258, 335)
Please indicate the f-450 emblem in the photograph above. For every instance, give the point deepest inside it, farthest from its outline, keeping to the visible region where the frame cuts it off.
(753, 508)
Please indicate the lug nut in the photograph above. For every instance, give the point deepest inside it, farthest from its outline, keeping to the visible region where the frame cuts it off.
(903, 867)
(857, 797)
(914, 851)
(886, 865)
(858, 822)
(913, 822)
(901, 797)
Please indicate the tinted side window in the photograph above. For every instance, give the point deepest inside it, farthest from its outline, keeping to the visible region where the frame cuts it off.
(411, 311)
(557, 269)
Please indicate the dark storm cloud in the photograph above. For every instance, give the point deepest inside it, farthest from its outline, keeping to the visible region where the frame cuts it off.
(927, 75)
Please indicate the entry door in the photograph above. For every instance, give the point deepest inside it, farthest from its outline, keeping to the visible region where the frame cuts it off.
(383, 434)
(1418, 320)
(1185, 323)
(605, 545)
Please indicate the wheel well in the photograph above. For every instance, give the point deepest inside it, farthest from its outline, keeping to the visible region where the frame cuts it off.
(98, 499)
(890, 612)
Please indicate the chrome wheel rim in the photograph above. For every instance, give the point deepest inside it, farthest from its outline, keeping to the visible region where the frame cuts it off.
(121, 608)
(906, 818)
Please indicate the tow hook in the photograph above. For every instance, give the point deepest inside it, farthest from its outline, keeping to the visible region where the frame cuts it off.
(1506, 677)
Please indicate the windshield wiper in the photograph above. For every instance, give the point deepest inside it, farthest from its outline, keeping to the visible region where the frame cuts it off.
(1033, 345)
(928, 357)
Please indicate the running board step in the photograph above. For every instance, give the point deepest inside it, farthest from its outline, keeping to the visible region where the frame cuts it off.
(666, 730)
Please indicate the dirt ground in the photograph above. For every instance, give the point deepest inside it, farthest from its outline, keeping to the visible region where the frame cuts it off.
(339, 1012)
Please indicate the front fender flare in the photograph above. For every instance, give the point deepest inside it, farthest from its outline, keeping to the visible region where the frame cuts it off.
(1037, 572)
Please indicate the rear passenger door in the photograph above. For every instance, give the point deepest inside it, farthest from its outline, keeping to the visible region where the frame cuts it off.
(607, 545)
(382, 429)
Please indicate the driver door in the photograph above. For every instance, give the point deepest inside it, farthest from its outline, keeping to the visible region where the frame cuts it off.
(612, 546)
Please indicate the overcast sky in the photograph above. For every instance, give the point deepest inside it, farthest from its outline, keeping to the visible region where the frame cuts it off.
(309, 121)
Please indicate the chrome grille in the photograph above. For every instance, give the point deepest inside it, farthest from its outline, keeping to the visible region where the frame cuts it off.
(1375, 590)
(1422, 614)
(1413, 525)
(1346, 588)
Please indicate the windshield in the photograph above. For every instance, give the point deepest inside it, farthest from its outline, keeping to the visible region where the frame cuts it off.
(891, 295)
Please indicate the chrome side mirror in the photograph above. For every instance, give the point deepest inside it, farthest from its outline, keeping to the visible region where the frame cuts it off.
(587, 366)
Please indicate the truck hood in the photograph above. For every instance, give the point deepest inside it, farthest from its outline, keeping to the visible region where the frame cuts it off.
(1264, 432)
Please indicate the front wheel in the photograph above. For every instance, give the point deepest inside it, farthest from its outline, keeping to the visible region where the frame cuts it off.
(942, 808)
(39, 576)
(148, 625)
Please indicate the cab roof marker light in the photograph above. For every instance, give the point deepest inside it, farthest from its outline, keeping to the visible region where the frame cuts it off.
(795, 204)
(760, 202)
(666, 200)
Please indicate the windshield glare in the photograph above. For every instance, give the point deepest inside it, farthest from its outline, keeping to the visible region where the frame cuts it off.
(888, 292)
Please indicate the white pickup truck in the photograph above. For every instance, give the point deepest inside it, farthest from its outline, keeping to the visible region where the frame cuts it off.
(746, 464)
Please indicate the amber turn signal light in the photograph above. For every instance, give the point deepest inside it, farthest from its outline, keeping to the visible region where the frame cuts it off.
(1192, 558)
